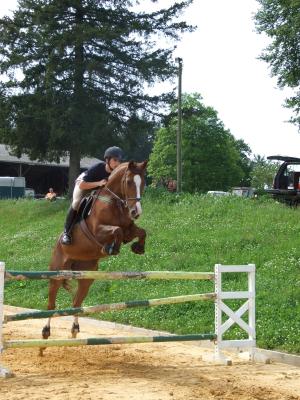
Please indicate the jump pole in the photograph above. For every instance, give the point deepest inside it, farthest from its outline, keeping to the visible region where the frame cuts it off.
(108, 276)
(110, 307)
(14, 344)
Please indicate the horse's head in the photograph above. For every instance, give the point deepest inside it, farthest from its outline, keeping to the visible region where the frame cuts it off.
(127, 182)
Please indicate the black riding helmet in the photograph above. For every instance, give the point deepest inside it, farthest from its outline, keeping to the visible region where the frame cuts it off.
(113, 152)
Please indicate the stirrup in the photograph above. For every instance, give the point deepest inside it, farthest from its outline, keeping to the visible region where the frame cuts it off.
(66, 239)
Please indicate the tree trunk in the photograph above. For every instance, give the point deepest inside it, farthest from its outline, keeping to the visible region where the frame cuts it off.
(74, 168)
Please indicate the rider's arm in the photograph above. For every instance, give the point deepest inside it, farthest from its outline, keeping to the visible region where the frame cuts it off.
(91, 185)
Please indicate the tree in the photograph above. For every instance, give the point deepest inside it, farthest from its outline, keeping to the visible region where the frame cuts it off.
(77, 70)
(244, 161)
(135, 138)
(263, 172)
(211, 156)
(280, 20)
(138, 137)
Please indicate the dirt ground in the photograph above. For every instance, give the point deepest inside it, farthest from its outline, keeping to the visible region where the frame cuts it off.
(161, 371)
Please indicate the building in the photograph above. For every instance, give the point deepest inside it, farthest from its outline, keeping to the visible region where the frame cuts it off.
(39, 175)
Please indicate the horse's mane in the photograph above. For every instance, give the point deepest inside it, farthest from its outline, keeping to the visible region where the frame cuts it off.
(117, 170)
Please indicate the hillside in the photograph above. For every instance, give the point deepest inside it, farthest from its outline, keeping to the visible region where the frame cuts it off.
(186, 232)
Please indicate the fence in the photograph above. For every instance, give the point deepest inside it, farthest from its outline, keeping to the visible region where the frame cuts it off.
(218, 296)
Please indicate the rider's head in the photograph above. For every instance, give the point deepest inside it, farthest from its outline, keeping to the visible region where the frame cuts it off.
(113, 157)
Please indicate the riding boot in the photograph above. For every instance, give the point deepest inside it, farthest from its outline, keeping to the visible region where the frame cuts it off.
(70, 220)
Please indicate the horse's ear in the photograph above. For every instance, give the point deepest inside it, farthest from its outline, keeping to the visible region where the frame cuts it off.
(144, 164)
(132, 166)
(137, 168)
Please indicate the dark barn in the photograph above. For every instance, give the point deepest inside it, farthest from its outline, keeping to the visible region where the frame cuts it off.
(39, 176)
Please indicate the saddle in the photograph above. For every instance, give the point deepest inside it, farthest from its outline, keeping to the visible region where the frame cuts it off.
(84, 208)
(83, 212)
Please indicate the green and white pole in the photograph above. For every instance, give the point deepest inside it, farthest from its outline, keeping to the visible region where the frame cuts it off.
(110, 307)
(14, 344)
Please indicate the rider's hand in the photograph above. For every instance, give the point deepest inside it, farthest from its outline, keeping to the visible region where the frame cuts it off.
(103, 182)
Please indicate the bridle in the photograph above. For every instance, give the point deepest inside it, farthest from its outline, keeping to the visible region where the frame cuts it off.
(124, 188)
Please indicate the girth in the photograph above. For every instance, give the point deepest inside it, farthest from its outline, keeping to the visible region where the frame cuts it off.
(105, 199)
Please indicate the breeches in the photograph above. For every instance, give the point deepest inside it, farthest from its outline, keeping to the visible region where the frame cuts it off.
(79, 194)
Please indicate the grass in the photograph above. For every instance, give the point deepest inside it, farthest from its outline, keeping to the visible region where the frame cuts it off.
(184, 232)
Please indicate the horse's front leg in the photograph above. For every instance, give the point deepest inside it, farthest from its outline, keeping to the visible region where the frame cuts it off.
(135, 232)
(112, 238)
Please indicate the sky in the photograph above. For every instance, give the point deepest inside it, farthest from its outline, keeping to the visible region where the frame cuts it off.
(220, 61)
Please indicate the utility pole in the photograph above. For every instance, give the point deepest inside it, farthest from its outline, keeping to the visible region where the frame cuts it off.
(179, 127)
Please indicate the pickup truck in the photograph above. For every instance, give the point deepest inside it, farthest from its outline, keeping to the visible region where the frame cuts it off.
(286, 184)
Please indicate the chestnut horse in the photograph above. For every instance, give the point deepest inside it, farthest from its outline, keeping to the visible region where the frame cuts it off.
(110, 223)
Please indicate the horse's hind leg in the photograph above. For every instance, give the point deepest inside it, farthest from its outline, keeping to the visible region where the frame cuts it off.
(54, 285)
(82, 291)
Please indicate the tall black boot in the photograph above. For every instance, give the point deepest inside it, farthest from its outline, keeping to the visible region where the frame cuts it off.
(70, 220)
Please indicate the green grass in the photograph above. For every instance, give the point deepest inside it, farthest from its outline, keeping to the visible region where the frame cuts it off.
(185, 232)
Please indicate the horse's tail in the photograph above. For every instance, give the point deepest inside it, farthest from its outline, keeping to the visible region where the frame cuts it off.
(66, 284)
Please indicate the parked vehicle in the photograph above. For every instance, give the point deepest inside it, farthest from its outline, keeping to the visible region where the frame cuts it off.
(29, 193)
(218, 193)
(243, 191)
(12, 187)
(286, 184)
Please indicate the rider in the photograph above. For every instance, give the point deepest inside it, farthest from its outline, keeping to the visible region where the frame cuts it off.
(95, 176)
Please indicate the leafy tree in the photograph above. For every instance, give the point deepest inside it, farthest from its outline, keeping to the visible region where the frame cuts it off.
(263, 172)
(135, 138)
(77, 71)
(244, 161)
(211, 156)
(138, 137)
(280, 20)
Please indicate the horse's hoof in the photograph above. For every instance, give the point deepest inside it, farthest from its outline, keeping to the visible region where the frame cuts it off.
(75, 329)
(108, 248)
(116, 251)
(46, 332)
(137, 248)
(41, 351)
(112, 249)
(66, 239)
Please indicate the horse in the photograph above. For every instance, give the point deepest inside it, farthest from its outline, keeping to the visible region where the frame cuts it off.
(110, 222)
